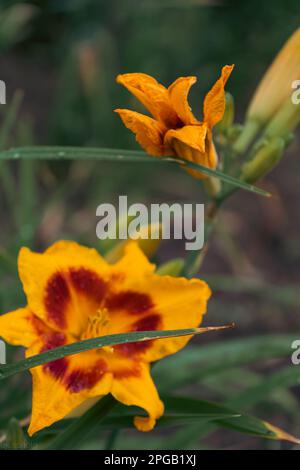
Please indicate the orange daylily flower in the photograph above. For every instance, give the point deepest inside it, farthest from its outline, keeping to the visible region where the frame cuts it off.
(74, 294)
(173, 129)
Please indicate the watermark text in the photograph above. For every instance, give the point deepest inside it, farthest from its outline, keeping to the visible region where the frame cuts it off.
(166, 221)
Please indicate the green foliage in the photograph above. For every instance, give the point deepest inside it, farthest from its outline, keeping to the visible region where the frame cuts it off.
(71, 52)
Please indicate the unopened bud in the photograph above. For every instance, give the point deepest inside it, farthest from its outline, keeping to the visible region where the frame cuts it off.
(171, 268)
(148, 241)
(274, 90)
(266, 157)
(228, 118)
(276, 85)
(285, 121)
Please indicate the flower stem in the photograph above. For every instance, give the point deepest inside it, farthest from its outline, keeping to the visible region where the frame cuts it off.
(247, 135)
(194, 261)
(79, 430)
(112, 438)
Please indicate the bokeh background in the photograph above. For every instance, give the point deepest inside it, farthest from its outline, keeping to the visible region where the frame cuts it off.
(64, 56)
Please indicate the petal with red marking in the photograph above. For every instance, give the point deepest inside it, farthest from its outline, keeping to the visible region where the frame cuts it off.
(176, 303)
(139, 390)
(64, 285)
(21, 327)
(61, 386)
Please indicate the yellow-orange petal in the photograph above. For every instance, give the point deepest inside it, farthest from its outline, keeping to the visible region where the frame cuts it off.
(275, 87)
(211, 151)
(179, 303)
(21, 327)
(152, 302)
(139, 390)
(148, 245)
(152, 95)
(141, 301)
(61, 386)
(149, 132)
(192, 136)
(178, 93)
(63, 285)
(191, 143)
(214, 102)
(133, 264)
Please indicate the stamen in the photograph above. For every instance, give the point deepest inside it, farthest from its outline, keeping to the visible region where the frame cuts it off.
(96, 323)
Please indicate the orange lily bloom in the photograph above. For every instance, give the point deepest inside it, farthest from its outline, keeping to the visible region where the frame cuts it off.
(74, 294)
(174, 130)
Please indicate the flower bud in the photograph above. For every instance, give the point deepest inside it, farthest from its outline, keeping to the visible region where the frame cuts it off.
(266, 157)
(171, 268)
(149, 241)
(228, 118)
(273, 91)
(276, 85)
(285, 121)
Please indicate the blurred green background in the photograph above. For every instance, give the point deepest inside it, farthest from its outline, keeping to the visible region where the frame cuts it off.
(64, 55)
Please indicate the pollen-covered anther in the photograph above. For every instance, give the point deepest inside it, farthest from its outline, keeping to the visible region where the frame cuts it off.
(96, 324)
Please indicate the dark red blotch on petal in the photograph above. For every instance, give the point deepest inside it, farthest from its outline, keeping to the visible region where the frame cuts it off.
(59, 367)
(89, 283)
(132, 302)
(57, 298)
(39, 326)
(148, 323)
(133, 371)
(151, 322)
(81, 379)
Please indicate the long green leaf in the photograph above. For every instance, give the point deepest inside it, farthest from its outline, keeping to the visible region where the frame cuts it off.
(283, 294)
(80, 429)
(6, 176)
(240, 422)
(95, 343)
(178, 412)
(183, 410)
(10, 118)
(284, 378)
(118, 155)
(194, 363)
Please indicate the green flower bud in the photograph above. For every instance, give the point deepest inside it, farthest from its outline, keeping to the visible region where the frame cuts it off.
(266, 157)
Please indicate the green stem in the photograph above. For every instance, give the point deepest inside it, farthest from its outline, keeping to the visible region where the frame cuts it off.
(28, 198)
(6, 176)
(247, 135)
(195, 260)
(112, 438)
(80, 429)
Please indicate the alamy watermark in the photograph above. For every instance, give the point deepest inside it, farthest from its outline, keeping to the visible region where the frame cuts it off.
(166, 221)
(296, 93)
(2, 92)
(2, 352)
(296, 354)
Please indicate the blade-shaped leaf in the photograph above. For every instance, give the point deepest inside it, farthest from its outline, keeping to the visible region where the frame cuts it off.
(240, 422)
(287, 377)
(184, 410)
(118, 155)
(194, 364)
(99, 342)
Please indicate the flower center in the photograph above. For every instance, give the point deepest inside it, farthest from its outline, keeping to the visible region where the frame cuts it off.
(96, 324)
